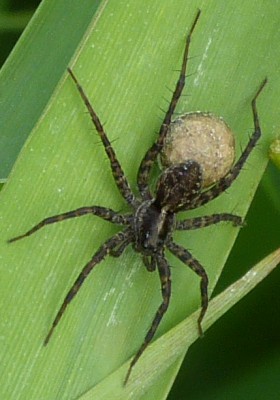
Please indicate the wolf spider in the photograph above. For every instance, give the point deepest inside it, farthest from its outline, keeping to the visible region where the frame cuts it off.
(150, 225)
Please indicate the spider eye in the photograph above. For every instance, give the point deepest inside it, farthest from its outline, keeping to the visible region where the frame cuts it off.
(178, 185)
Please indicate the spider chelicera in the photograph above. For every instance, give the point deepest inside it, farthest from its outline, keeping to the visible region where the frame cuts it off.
(150, 225)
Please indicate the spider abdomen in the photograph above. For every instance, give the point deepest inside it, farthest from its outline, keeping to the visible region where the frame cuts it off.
(179, 185)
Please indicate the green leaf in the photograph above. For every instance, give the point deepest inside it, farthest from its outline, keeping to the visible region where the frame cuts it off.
(274, 152)
(126, 62)
(172, 345)
(31, 73)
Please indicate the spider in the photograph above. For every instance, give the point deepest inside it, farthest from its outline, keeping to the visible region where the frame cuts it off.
(150, 225)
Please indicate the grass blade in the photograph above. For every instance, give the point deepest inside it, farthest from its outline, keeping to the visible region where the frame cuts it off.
(125, 61)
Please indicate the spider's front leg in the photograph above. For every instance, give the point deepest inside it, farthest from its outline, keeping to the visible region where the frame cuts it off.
(186, 257)
(118, 174)
(105, 213)
(164, 274)
(151, 155)
(225, 183)
(207, 220)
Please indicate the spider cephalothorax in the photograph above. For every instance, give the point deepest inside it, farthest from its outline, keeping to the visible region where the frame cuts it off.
(150, 225)
(154, 219)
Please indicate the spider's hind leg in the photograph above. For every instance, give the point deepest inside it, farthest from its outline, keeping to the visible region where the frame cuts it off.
(164, 274)
(185, 256)
(104, 250)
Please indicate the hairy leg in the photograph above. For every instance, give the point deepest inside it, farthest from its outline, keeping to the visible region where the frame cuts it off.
(151, 155)
(185, 256)
(226, 182)
(202, 222)
(101, 253)
(164, 274)
(102, 212)
(116, 168)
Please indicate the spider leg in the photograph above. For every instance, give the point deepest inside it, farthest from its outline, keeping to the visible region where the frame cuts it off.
(164, 274)
(185, 256)
(117, 252)
(102, 212)
(225, 183)
(150, 157)
(116, 168)
(150, 263)
(101, 253)
(202, 222)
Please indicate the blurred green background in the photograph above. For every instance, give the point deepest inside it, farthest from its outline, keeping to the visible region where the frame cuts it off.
(239, 358)
(14, 16)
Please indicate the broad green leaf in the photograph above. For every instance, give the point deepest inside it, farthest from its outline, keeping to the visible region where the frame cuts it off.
(167, 349)
(274, 152)
(31, 73)
(128, 59)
